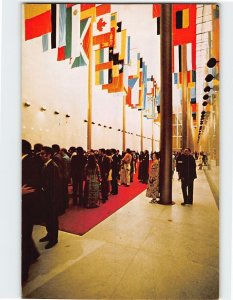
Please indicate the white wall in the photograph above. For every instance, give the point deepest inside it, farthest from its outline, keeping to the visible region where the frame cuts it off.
(54, 85)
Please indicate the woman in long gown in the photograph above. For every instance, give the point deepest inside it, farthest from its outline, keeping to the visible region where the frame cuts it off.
(92, 183)
(153, 181)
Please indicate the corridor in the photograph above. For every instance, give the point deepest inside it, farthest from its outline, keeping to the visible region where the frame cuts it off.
(143, 251)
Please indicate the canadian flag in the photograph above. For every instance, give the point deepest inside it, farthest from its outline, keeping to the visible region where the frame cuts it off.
(102, 24)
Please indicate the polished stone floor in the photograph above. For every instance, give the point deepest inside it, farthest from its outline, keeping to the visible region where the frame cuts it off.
(143, 251)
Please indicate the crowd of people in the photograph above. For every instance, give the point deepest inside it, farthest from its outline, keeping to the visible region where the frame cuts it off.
(94, 175)
(47, 173)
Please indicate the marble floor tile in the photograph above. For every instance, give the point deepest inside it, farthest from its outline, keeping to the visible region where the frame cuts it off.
(142, 251)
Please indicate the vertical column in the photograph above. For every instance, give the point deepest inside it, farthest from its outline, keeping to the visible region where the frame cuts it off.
(141, 130)
(166, 106)
(89, 108)
(184, 99)
(152, 136)
(123, 125)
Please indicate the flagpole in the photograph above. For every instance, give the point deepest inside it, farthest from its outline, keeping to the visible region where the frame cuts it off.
(152, 136)
(184, 98)
(123, 124)
(141, 131)
(89, 109)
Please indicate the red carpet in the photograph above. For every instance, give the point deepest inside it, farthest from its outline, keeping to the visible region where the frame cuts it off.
(78, 220)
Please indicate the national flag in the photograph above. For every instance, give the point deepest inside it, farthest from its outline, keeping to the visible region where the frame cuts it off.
(120, 48)
(133, 91)
(150, 86)
(177, 58)
(189, 56)
(149, 110)
(61, 53)
(69, 5)
(104, 27)
(175, 78)
(118, 55)
(182, 18)
(194, 107)
(37, 20)
(128, 50)
(156, 14)
(68, 32)
(193, 95)
(103, 67)
(88, 11)
(61, 24)
(117, 84)
(156, 10)
(61, 31)
(141, 70)
(85, 36)
(184, 29)
(75, 36)
(46, 45)
(157, 99)
(102, 22)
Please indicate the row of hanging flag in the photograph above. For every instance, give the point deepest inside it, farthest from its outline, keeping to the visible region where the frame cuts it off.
(183, 47)
(77, 29)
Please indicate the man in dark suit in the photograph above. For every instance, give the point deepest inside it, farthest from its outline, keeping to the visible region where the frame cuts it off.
(187, 175)
(116, 162)
(105, 166)
(51, 184)
(30, 195)
(57, 158)
(78, 163)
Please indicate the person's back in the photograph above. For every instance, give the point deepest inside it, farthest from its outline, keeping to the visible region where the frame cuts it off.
(78, 163)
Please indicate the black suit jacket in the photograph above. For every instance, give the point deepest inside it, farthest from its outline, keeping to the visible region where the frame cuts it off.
(78, 163)
(116, 163)
(51, 185)
(188, 167)
(31, 176)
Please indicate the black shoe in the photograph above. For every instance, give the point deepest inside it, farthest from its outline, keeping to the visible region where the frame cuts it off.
(183, 203)
(50, 245)
(44, 239)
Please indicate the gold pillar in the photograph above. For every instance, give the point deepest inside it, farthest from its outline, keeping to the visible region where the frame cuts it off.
(89, 108)
(123, 125)
(166, 106)
(152, 136)
(141, 131)
(184, 99)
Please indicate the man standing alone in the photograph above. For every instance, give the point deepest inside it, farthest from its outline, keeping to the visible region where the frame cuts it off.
(187, 176)
(51, 185)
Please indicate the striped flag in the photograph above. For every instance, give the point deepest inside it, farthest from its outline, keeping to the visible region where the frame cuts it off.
(184, 31)
(156, 15)
(103, 67)
(37, 20)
